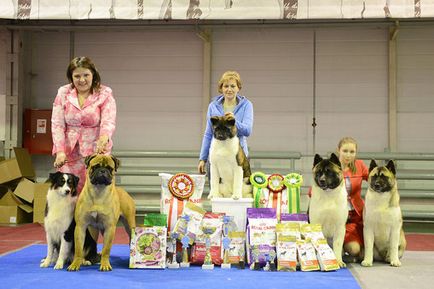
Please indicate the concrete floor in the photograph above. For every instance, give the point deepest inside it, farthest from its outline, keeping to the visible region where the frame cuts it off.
(416, 272)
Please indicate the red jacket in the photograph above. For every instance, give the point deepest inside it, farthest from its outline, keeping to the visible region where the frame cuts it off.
(356, 179)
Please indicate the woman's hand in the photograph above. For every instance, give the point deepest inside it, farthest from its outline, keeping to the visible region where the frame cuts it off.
(201, 167)
(230, 114)
(60, 160)
(101, 144)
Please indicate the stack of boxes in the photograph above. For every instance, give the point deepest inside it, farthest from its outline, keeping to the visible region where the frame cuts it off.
(21, 199)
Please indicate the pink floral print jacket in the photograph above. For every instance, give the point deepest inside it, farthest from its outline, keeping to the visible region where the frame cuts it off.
(71, 124)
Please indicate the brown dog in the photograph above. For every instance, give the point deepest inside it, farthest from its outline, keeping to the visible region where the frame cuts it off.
(100, 205)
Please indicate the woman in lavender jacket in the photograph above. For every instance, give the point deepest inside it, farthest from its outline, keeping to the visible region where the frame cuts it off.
(229, 102)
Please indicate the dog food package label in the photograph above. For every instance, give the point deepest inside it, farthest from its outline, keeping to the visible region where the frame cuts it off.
(261, 234)
(286, 250)
(306, 256)
(189, 223)
(176, 191)
(294, 218)
(211, 223)
(289, 229)
(311, 232)
(237, 247)
(326, 256)
(148, 247)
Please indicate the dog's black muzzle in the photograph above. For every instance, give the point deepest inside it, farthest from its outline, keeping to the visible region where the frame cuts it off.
(101, 176)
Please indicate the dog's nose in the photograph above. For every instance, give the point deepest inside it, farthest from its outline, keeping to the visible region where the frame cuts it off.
(68, 191)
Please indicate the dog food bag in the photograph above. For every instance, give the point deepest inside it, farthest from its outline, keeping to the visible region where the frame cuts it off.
(306, 256)
(286, 250)
(237, 247)
(261, 236)
(213, 222)
(153, 219)
(176, 191)
(312, 232)
(294, 218)
(289, 229)
(326, 256)
(148, 247)
(189, 223)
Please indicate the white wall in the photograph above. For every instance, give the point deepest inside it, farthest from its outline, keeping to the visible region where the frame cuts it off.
(156, 76)
(3, 55)
(416, 90)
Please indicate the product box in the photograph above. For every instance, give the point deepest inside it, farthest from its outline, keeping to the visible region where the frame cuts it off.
(18, 167)
(148, 247)
(13, 210)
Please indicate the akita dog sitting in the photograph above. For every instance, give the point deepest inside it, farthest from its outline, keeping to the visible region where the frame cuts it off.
(328, 203)
(382, 218)
(230, 168)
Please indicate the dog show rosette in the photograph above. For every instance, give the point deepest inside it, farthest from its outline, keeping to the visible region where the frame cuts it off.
(293, 183)
(176, 191)
(259, 181)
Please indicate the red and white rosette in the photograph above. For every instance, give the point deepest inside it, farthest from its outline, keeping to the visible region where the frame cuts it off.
(275, 186)
(181, 186)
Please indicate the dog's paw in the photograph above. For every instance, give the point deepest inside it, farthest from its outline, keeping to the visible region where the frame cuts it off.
(75, 265)
(45, 263)
(58, 266)
(395, 263)
(105, 266)
(342, 264)
(236, 196)
(86, 263)
(212, 194)
(366, 263)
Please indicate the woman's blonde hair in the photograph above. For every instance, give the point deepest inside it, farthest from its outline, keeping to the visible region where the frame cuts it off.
(346, 140)
(228, 75)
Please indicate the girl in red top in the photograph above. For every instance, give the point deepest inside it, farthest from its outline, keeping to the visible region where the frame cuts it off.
(355, 171)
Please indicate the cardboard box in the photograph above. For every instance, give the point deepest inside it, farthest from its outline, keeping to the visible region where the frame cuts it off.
(25, 190)
(13, 210)
(39, 202)
(18, 167)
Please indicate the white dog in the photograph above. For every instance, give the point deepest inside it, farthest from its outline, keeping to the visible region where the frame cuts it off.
(230, 168)
(328, 203)
(382, 218)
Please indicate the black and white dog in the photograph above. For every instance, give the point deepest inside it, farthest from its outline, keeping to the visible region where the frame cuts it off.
(59, 222)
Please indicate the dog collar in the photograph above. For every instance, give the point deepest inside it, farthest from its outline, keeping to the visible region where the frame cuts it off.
(181, 186)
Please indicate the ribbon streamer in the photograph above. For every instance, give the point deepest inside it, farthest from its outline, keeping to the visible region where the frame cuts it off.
(259, 181)
(293, 182)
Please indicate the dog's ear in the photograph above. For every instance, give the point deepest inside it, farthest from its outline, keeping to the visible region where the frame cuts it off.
(391, 167)
(88, 159)
(117, 162)
(372, 165)
(75, 180)
(334, 159)
(230, 121)
(214, 120)
(317, 159)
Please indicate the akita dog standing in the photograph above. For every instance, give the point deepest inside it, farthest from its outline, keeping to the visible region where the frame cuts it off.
(328, 202)
(382, 218)
(230, 168)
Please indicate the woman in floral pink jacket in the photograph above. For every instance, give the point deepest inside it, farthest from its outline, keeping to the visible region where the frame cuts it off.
(83, 119)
